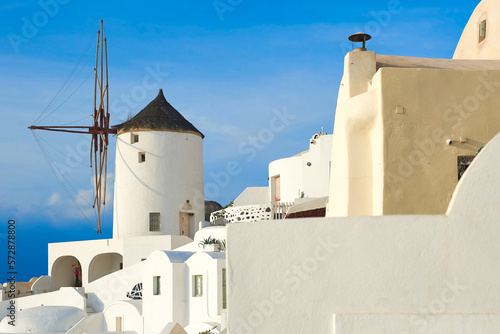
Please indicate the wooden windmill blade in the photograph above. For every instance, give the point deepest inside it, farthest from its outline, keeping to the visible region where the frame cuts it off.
(100, 128)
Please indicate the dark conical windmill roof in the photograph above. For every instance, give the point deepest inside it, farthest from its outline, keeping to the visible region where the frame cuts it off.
(158, 115)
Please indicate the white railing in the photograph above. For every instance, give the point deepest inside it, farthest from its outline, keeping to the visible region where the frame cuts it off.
(280, 209)
(250, 213)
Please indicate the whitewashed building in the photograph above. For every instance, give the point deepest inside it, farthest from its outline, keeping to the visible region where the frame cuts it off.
(410, 243)
(152, 276)
(296, 184)
(414, 252)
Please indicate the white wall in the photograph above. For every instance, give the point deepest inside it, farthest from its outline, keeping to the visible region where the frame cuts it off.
(252, 196)
(419, 323)
(90, 324)
(209, 305)
(353, 162)
(170, 304)
(42, 284)
(133, 249)
(129, 311)
(108, 289)
(216, 232)
(316, 177)
(104, 264)
(436, 266)
(64, 254)
(297, 177)
(171, 175)
(138, 248)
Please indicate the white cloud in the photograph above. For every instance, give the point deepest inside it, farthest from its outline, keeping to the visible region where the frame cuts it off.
(54, 199)
(218, 127)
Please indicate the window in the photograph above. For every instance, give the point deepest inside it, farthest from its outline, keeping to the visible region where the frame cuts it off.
(482, 31)
(224, 289)
(142, 157)
(463, 162)
(134, 138)
(156, 285)
(275, 188)
(197, 285)
(154, 222)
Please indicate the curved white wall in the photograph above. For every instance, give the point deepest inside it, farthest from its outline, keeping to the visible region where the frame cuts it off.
(307, 172)
(104, 264)
(171, 175)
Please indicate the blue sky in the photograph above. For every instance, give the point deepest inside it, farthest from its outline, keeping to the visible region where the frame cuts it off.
(227, 65)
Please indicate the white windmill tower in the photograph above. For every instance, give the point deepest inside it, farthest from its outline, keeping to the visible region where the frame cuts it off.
(158, 174)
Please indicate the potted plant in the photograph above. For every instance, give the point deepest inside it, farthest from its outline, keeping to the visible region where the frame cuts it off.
(210, 244)
(209, 331)
(222, 245)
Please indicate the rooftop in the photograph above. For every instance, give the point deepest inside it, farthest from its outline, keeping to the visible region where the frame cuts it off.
(158, 115)
(441, 64)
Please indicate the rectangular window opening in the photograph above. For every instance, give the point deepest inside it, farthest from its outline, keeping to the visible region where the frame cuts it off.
(154, 221)
(197, 285)
(482, 31)
(134, 138)
(156, 285)
(463, 162)
(142, 157)
(276, 188)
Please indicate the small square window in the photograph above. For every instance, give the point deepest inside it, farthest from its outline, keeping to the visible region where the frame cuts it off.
(197, 285)
(142, 157)
(482, 31)
(134, 138)
(154, 221)
(156, 285)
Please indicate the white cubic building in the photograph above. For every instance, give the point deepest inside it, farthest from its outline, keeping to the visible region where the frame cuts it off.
(304, 175)
(298, 186)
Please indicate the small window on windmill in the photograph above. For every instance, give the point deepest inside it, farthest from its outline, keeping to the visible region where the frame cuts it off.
(134, 138)
(482, 31)
(142, 157)
(463, 163)
(154, 222)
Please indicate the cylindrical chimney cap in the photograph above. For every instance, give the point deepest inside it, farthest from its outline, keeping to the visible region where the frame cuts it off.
(360, 37)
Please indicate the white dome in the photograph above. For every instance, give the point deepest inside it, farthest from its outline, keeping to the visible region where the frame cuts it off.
(43, 319)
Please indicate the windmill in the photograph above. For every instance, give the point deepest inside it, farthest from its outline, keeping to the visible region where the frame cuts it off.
(99, 128)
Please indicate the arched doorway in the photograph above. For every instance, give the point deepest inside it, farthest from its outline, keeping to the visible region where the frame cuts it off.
(64, 272)
(104, 264)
